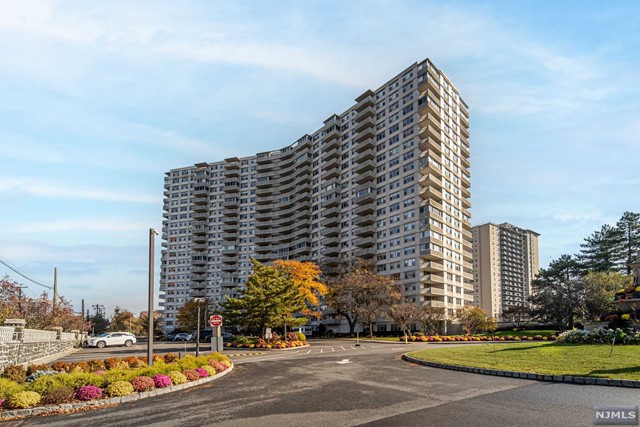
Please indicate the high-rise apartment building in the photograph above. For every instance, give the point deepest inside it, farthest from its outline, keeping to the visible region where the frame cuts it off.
(386, 180)
(505, 262)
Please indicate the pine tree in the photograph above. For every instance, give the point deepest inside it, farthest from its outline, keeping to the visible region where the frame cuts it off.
(602, 250)
(629, 229)
(270, 299)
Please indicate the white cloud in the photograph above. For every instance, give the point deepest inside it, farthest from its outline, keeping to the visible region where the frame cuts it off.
(41, 188)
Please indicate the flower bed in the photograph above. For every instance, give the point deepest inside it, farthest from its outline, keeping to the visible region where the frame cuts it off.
(600, 336)
(293, 339)
(68, 383)
(452, 338)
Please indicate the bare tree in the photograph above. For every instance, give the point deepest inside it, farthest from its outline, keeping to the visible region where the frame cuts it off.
(360, 293)
(431, 318)
(404, 315)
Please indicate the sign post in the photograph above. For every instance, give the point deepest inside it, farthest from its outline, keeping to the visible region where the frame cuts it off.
(215, 322)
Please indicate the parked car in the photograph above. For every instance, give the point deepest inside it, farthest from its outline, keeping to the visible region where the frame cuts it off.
(227, 335)
(182, 336)
(170, 337)
(205, 335)
(126, 339)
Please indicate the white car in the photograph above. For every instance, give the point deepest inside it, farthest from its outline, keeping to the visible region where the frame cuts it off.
(126, 339)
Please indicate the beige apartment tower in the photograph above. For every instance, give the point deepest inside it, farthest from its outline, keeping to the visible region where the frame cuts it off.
(505, 262)
(386, 180)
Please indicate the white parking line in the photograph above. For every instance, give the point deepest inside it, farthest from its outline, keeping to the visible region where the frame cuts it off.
(308, 352)
(321, 350)
(353, 347)
(333, 349)
(343, 348)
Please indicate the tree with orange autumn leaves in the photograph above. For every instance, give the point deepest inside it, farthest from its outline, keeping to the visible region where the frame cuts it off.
(306, 276)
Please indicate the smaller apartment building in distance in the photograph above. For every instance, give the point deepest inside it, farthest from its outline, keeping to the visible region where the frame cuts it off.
(505, 261)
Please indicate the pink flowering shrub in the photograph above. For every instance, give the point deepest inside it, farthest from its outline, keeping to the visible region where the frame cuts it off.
(142, 383)
(1, 402)
(191, 374)
(202, 372)
(162, 381)
(88, 392)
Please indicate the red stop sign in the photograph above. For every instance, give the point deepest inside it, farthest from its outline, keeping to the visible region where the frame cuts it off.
(215, 320)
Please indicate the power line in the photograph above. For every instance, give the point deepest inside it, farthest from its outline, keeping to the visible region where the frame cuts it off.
(16, 270)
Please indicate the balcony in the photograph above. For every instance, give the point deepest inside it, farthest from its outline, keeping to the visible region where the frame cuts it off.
(332, 153)
(368, 154)
(198, 277)
(331, 251)
(432, 279)
(332, 241)
(232, 187)
(365, 196)
(365, 113)
(365, 231)
(432, 267)
(369, 165)
(365, 145)
(365, 209)
(366, 133)
(365, 220)
(366, 242)
(365, 253)
(367, 177)
(431, 291)
(330, 172)
(366, 123)
(331, 232)
(331, 221)
(333, 135)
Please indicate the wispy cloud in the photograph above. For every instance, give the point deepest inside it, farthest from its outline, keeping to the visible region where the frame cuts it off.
(101, 225)
(34, 187)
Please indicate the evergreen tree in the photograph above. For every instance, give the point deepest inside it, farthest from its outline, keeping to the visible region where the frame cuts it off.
(559, 293)
(629, 228)
(270, 299)
(602, 250)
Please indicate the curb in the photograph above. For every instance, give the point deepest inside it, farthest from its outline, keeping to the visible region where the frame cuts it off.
(263, 350)
(108, 402)
(255, 353)
(570, 379)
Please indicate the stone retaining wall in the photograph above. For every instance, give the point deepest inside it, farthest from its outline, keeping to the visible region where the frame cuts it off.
(16, 353)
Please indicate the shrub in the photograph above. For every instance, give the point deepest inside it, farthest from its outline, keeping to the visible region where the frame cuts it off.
(60, 366)
(1, 402)
(32, 369)
(203, 373)
(88, 392)
(162, 381)
(142, 383)
(24, 399)
(96, 365)
(227, 362)
(119, 375)
(170, 357)
(112, 363)
(8, 388)
(188, 362)
(45, 383)
(79, 379)
(143, 359)
(15, 373)
(134, 362)
(120, 388)
(79, 367)
(38, 374)
(191, 374)
(58, 395)
(177, 377)
(218, 366)
(158, 359)
(210, 370)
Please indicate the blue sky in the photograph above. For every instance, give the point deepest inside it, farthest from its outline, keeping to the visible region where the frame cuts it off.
(98, 100)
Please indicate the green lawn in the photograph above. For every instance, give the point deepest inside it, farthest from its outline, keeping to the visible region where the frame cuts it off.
(542, 358)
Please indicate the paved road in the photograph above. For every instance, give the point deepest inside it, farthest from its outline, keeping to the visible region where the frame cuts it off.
(368, 385)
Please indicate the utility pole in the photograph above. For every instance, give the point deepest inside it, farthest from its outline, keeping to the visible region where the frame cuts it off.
(82, 311)
(55, 288)
(20, 298)
(152, 234)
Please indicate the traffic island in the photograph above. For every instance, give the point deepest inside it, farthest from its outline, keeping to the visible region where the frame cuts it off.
(552, 362)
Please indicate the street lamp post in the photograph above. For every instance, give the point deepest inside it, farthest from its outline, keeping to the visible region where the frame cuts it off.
(198, 302)
(152, 234)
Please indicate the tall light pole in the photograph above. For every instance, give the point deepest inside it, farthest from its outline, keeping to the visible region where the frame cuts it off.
(152, 234)
(198, 301)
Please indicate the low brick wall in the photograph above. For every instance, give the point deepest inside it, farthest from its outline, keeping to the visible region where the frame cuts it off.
(15, 353)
